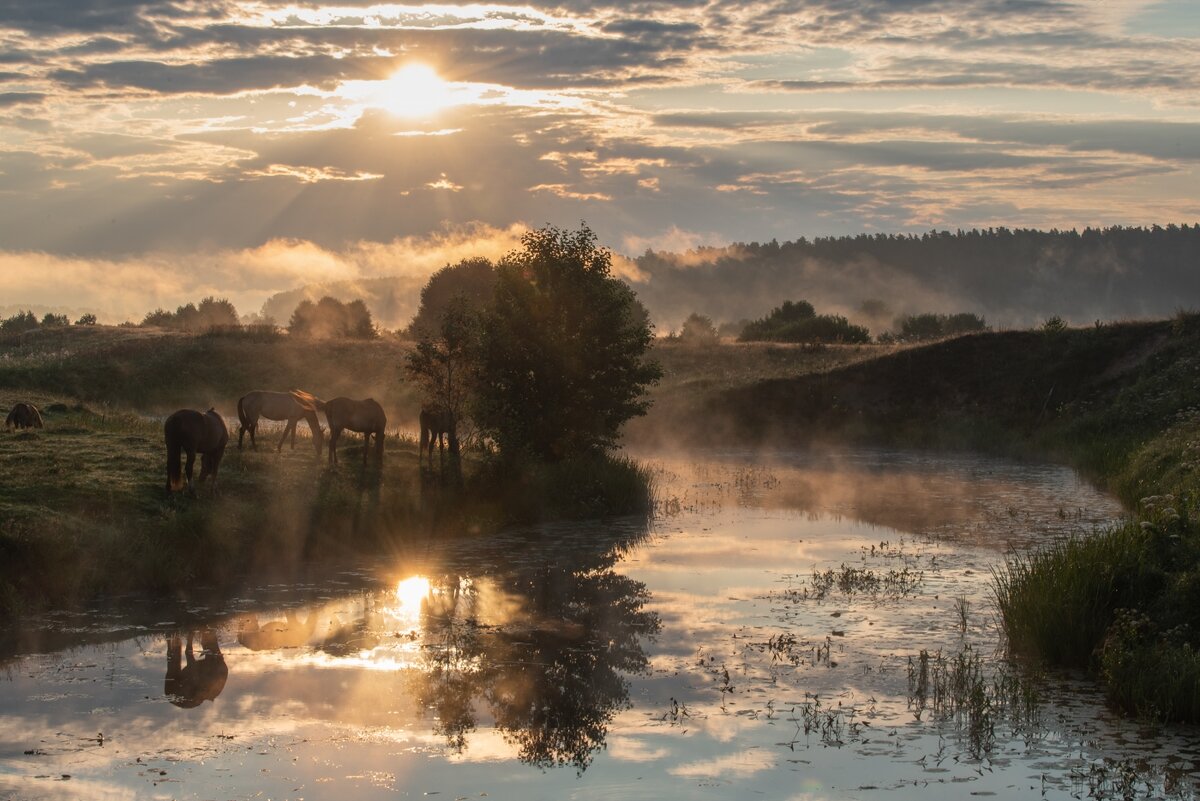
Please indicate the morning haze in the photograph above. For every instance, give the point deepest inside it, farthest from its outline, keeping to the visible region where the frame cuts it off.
(794, 399)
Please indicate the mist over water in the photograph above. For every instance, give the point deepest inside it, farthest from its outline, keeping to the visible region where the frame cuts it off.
(762, 634)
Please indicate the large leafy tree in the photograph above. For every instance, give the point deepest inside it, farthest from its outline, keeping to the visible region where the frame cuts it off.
(563, 357)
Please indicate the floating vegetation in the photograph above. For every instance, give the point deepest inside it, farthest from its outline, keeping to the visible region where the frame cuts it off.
(961, 688)
(851, 581)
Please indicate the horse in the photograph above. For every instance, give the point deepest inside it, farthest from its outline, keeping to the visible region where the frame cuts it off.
(193, 431)
(290, 406)
(188, 686)
(435, 423)
(364, 416)
(23, 415)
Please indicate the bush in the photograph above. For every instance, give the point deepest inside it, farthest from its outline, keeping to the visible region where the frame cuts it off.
(330, 318)
(210, 313)
(917, 327)
(798, 322)
(698, 330)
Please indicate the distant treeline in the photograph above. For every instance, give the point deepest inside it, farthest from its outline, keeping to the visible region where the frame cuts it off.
(24, 321)
(327, 318)
(1017, 277)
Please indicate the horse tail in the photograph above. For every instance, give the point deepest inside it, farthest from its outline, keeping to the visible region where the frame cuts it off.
(11, 420)
(243, 420)
(37, 416)
(174, 456)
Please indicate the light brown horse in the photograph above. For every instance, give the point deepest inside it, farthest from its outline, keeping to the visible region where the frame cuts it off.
(290, 406)
(195, 432)
(436, 423)
(23, 415)
(364, 416)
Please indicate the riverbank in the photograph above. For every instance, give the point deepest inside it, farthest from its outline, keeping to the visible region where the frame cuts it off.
(1120, 402)
(84, 514)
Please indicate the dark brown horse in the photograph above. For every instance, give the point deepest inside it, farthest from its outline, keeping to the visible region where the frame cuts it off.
(436, 424)
(363, 416)
(195, 432)
(23, 415)
(189, 685)
(291, 406)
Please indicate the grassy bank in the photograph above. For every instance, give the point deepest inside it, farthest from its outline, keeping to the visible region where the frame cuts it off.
(84, 514)
(1121, 402)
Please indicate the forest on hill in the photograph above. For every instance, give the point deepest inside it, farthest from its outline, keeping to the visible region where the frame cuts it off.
(1013, 277)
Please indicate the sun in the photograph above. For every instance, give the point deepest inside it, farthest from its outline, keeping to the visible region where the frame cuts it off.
(415, 90)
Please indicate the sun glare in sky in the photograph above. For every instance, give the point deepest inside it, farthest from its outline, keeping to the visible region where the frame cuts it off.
(415, 90)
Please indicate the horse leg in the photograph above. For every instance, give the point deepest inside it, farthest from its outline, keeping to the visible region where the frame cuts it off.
(191, 460)
(367, 445)
(334, 433)
(441, 438)
(291, 426)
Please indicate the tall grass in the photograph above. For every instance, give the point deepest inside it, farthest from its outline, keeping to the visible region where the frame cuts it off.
(1056, 603)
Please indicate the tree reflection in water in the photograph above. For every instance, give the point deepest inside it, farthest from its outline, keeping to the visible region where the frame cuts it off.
(544, 648)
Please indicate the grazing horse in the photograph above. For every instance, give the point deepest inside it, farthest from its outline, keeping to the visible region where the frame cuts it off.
(435, 424)
(188, 686)
(23, 415)
(193, 431)
(290, 406)
(364, 416)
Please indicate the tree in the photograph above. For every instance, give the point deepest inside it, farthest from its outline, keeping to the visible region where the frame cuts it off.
(87, 319)
(19, 323)
(445, 365)
(799, 322)
(472, 281)
(329, 317)
(51, 320)
(698, 330)
(562, 361)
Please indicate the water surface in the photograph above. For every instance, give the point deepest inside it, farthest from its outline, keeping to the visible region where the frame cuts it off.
(760, 636)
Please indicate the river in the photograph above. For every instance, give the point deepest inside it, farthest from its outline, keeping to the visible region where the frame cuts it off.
(790, 625)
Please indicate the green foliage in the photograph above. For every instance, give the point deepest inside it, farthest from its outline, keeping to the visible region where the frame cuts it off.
(917, 327)
(1153, 674)
(563, 361)
(799, 322)
(51, 320)
(446, 366)
(698, 330)
(329, 318)
(19, 323)
(210, 313)
(86, 319)
(1054, 325)
(1058, 602)
(471, 282)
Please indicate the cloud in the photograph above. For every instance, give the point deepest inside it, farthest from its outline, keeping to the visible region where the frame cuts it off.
(126, 288)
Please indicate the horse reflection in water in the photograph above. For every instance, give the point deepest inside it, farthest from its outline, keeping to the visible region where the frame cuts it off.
(290, 633)
(192, 680)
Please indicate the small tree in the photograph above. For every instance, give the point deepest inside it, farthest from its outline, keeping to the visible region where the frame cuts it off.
(329, 317)
(87, 319)
(445, 366)
(698, 330)
(51, 320)
(562, 363)
(19, 323)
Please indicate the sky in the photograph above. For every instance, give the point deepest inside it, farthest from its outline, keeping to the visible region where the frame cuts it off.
(153, 152)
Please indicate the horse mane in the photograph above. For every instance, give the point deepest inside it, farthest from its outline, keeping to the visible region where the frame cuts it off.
(307, 400)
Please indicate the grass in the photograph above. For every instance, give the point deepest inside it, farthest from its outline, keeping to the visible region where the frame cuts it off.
(84, 514)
